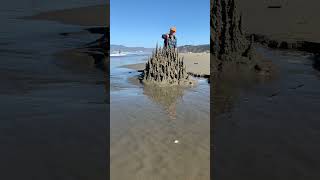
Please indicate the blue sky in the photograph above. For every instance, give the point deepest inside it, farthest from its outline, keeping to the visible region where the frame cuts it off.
(142, 22)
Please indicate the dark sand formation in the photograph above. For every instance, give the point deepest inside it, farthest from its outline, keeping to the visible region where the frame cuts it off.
(197, 64)
(165, 67)
(229, 42)
(228, 39)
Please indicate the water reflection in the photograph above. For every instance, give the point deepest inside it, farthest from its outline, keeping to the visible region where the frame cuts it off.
(99, 49)
(166, 97)
(246, 136)
(230, 81)
(316, 62)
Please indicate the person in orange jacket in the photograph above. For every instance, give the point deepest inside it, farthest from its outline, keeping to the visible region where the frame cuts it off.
(170, 39)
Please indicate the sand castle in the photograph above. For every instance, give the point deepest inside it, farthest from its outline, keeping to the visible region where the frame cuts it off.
(228, 39)
(229, 44)
(165, 67)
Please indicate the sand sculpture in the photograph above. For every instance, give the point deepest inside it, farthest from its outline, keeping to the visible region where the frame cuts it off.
(166, 67)
(228, 41)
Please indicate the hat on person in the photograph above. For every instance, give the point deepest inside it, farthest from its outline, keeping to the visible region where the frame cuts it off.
(174, 29)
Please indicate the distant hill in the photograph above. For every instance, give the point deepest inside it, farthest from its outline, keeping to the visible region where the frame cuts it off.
(182, 49)
(194, 48)
(129, 49)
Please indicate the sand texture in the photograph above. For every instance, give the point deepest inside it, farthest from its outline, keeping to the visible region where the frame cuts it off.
(228, 40)
(292, 20)
(84, 16)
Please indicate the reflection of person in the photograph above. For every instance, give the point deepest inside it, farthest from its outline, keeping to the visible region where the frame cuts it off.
(172, 111)
(170, 39)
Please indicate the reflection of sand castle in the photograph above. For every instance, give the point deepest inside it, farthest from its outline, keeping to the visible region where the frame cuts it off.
(165, 67)
(99, 50)
(167, 97)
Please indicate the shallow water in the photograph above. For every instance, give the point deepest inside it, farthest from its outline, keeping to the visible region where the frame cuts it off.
(53, 120)
(147, 121)
(270, 130)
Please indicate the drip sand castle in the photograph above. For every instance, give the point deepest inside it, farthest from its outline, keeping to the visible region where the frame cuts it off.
(228, 39)
(229, 43)
(166, 68)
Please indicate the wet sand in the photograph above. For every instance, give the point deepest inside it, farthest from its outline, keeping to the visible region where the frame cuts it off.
(53, 111)
(196, 63)
(268, 128)
(147, 120)
(84, 16)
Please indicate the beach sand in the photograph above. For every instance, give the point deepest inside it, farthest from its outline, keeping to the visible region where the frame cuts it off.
(295, 20)
(268, 128)
(157, 132)
(196, 63)
(84, 16)
(49, 98)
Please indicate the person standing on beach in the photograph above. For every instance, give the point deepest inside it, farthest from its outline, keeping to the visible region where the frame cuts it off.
(170, 39)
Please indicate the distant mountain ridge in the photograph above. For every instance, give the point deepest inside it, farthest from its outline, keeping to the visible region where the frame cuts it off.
(194, 48)
(129, 49)
(182, 49)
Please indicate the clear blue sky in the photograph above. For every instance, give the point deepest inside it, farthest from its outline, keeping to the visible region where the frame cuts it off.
(142, 22)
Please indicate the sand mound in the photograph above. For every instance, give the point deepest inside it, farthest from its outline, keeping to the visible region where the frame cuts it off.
(165, 67)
